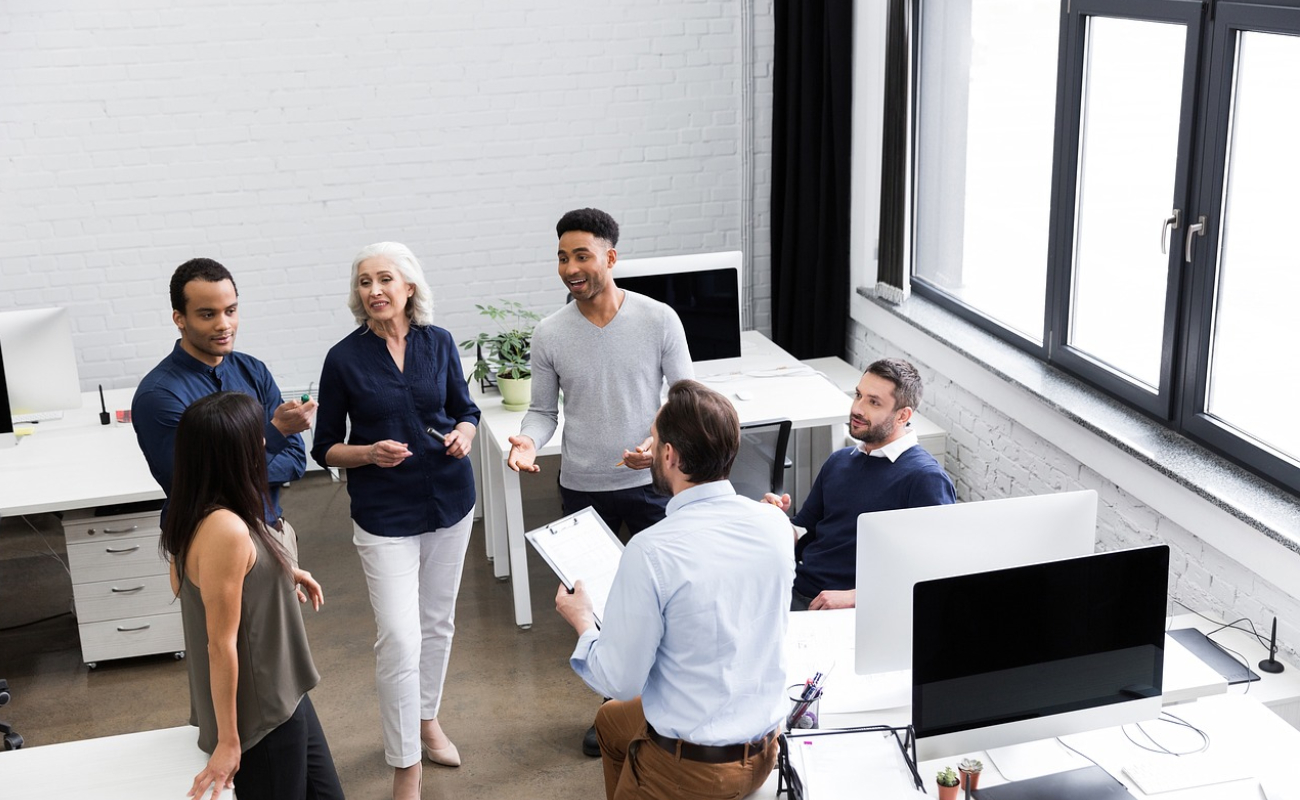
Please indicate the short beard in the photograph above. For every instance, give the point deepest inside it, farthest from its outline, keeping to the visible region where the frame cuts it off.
(876, 434)
(658, 481)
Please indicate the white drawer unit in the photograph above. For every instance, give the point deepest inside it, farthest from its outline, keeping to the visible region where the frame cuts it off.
(120, 585)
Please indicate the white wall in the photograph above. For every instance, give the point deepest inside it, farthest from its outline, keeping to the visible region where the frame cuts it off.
(279, 138)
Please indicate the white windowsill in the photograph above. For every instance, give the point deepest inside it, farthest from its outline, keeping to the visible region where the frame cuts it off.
(1216, 500)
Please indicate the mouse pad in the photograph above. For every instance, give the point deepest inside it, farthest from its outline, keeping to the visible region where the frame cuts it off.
(1088, 783)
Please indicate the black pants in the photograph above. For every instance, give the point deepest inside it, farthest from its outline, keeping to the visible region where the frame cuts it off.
(292, 762)
(640, 507)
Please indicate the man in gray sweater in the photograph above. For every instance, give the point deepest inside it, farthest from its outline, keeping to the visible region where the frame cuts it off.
(609, 351)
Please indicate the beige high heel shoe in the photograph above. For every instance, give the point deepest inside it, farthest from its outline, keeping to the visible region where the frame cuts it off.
(447, 756)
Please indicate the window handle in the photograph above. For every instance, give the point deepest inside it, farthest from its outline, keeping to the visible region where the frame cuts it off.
(1171, 222)
(1196, 229)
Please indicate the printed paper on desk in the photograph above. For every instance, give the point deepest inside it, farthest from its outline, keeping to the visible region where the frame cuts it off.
(581, 547)
(836, 766)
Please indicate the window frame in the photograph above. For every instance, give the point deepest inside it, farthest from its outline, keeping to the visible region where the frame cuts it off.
(1212, 27)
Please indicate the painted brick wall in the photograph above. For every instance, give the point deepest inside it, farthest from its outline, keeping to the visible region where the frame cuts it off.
(281, 137)
(992, 456)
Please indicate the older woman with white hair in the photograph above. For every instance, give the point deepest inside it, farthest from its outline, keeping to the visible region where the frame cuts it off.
(398, 379)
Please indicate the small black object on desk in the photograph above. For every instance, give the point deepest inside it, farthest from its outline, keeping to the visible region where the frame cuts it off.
(1271, 664)
(104, 418)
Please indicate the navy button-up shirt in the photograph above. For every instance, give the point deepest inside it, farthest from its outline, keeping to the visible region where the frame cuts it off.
(361, 384)
(179, 380)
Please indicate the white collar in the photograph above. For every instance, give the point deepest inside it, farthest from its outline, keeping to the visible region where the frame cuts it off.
(892, 450)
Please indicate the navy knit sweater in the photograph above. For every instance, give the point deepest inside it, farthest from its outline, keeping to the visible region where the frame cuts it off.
(852, 483)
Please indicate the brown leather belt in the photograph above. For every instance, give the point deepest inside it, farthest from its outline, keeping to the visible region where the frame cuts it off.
(709, 753)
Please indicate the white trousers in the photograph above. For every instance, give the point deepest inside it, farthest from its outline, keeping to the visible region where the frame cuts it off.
(413, 583)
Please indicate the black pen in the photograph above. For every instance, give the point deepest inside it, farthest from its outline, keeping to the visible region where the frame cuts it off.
(440, 437)
(104, 419)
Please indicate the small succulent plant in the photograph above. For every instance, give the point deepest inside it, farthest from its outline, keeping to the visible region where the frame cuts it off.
(971, 765)
(946, 777)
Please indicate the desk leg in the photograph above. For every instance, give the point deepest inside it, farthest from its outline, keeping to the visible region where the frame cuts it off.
(517, 545)
(494, 513)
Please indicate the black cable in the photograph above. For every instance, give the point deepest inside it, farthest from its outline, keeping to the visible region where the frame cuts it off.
(35, 621)
(1233, 625)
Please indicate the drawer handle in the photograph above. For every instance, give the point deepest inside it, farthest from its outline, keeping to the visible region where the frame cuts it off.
(117, 551)
(116, 590)
(91, 532)
(143, 627)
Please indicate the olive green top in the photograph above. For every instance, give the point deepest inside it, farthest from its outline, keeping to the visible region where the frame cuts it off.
(275, 666)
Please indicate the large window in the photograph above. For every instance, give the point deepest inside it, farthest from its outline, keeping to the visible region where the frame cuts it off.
(1107, 184)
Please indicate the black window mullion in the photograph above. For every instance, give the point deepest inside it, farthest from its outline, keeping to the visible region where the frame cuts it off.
(1188, 13)
(1231, 19)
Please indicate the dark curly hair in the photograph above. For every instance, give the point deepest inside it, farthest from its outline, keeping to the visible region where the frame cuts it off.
(197, 269)
(589, 220)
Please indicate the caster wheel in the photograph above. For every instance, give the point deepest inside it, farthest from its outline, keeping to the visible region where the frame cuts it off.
(13, 741)
(92, 664)
(525, 627)
(179, 655)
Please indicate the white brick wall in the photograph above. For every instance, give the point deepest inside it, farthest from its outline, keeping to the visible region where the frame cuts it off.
(991, 455)
(279, 138)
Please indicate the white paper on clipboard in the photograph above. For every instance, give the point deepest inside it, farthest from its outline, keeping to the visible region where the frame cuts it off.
(581, 547)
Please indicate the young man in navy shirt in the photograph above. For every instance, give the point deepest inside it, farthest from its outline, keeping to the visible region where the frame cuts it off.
(205, 309)
(887, 470)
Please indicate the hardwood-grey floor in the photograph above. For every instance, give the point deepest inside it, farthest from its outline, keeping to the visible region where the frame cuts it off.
(513, 706)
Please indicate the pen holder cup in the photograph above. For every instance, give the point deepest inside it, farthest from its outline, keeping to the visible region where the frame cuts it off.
(803, 712)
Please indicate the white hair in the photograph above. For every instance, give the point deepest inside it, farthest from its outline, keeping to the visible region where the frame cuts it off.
(419, 308)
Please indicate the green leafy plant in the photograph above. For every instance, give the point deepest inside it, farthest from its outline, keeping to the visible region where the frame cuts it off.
(971, 765)
(946, 777)
(508, 349)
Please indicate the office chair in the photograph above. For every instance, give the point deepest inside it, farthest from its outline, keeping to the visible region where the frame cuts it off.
(12, 741)
(761, 463)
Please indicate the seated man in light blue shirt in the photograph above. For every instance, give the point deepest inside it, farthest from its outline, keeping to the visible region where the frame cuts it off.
(692, 637)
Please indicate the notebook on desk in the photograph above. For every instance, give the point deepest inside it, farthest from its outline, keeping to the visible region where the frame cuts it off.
(1088, 783)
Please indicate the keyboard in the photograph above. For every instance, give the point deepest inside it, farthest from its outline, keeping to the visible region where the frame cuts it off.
(36, 416)
(1161, 774)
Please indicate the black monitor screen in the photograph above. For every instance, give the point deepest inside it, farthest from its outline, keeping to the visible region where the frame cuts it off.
(708, 302)
(1015, 644)
(6, 422)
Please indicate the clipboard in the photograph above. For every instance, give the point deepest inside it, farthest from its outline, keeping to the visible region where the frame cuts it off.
(581, 547)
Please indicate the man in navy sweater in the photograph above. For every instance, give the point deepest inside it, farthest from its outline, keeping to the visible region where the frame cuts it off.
(887, 470)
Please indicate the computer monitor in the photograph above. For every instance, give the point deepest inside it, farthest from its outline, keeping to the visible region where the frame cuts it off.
(40, 364)
(1027, 653)
(896, 549)
(704, 290)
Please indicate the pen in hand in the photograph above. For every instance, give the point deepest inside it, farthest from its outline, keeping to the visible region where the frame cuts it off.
(440, 437)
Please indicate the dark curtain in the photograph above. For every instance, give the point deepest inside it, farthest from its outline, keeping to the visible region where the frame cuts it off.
(812, 106)
(891, 277)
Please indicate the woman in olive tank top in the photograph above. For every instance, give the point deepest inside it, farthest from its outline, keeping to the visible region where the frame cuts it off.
(249, 665)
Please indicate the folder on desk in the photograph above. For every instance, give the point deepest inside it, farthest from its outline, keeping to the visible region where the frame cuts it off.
(581, 547)
(838, 764)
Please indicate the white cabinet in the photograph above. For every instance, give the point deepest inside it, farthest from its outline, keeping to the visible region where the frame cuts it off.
(120, 586)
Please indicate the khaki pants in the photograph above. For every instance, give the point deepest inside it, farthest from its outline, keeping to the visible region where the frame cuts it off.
(637, 768)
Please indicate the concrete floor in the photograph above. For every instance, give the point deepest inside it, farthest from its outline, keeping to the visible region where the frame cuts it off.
(513, 706)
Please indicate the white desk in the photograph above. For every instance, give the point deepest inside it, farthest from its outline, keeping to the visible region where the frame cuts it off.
(1240, 725)
(75, 462)
(809, 401)
(822, 641)
(151, 765)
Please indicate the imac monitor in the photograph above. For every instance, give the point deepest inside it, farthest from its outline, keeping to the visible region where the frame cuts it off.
(898, 548)
(1027, 653)
(40, 365)
(703, 289)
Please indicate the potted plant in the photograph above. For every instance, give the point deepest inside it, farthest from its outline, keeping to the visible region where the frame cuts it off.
(947, 780)
(970, 769)
(505, 353)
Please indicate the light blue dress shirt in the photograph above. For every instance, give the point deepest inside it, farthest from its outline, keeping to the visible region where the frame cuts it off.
(696, 619)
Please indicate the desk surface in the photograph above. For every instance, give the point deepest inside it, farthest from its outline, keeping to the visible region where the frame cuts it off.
(76, 462)
(150, 765)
